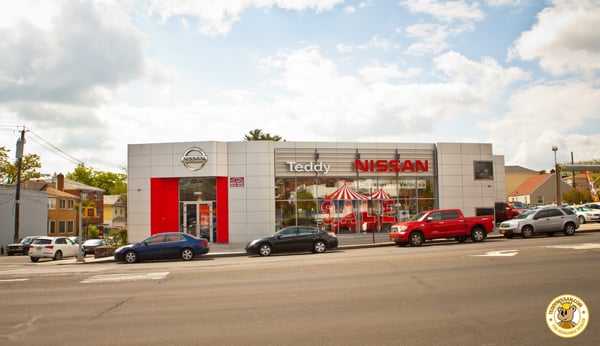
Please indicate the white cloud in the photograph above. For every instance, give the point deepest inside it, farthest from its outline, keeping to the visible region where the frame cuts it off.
(377, 72)
(542, 116)
(218, 17)
(88, 49)
(447, 11)
(565, 39)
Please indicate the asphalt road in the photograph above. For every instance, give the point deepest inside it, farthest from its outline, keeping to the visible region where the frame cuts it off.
(444, 293)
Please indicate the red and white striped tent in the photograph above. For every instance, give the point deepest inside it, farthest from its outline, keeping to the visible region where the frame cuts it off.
(380, 195)
(346, 193)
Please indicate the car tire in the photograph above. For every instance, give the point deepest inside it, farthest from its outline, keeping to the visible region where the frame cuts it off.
(527, 232)
(130, 256)
(569, 229)
(187, 254)
(265, 249)
(34, 259)
(581, 219)
(416, 239)
(57, 256)
(477, 234)
(319, 246)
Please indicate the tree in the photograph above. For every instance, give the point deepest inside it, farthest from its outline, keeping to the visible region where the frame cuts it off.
(258, 135)
(8, 170)
(111, 183)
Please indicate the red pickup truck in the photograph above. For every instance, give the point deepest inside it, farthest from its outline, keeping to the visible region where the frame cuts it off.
(441, 223)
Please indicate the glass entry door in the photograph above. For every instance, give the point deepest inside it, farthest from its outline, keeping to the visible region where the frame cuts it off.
(198, 220)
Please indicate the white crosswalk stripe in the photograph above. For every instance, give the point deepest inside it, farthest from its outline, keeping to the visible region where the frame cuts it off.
(125, 277)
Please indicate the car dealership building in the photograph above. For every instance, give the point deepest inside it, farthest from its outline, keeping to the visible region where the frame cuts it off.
(233, 192)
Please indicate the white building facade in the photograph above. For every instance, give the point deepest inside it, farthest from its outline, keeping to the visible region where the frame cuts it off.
(233, 192)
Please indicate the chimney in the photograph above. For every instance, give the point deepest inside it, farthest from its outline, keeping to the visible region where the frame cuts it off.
(60, 184)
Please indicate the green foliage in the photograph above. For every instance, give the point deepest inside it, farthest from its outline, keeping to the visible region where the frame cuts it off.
(117, 237)
(577, 197)
(93, 232)
(258, 135)
(111, 183)
(305, 200)
(302, 220)
(30, 166)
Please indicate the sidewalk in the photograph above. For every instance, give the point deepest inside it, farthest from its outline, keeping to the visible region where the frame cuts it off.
(346, 241)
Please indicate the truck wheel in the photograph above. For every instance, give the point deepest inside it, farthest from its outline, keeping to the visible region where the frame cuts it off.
(477, 234)
(416, 239)
(527, 232)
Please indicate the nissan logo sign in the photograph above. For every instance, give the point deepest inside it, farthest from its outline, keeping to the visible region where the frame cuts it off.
(194, 159)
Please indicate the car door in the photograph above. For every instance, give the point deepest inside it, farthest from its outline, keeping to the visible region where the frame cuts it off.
(543, 221)
(555, 220)
(285, 240)
(305, 238)
(152, 248)
(453, 225)
(70, 248)
(171, 246)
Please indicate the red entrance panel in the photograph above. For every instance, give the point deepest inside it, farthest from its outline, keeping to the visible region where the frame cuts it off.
(222, 210)
(164, 205)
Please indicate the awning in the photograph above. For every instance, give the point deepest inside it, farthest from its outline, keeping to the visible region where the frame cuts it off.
(346, 193)
(380, 195)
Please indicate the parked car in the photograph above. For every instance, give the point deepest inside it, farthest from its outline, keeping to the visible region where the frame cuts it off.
(545, 220)
(504, 211)
(52, 247)
(592, 205)
(90, 245)
(21, 247)
(295, 238)
(160, 246)
(441, 223)
(585, 214)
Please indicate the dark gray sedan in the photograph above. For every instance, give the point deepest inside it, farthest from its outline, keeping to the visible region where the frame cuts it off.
(295, 238)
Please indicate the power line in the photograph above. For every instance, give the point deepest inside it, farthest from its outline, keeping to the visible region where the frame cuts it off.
(51, 147)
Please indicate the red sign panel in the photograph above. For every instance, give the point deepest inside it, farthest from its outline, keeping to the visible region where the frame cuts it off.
(236, 182)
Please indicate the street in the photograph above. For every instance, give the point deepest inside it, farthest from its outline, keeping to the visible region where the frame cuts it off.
(443, 293)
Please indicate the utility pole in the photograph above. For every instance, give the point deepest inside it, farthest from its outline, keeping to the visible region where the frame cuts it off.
(20, 145)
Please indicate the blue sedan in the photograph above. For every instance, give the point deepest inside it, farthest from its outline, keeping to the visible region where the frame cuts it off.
(163, 246)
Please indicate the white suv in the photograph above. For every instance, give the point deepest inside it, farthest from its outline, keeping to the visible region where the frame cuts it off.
(52, 247)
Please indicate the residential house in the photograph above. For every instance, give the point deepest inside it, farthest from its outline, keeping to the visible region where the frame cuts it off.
(62, 215)
(115, 211)
(515, 176)
(539, 190)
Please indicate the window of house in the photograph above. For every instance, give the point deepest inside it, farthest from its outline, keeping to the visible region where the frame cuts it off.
(62, 227)
(63, 204)
(71, 204)
(51, 227)
(51, 203)
(84, 196)
(70, 226)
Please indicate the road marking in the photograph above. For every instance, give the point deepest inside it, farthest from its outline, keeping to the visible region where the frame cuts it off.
(503, 253)
(586, 246)
(13, 280)
(125, 277)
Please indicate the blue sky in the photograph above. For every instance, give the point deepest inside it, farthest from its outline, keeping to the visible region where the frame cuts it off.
(89, 77)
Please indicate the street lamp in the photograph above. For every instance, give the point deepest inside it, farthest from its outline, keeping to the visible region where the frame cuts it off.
(556, 176)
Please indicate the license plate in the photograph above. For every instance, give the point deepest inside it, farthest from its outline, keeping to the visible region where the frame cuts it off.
(38, 248)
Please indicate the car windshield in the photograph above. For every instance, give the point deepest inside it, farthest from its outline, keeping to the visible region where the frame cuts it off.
(418, 217)
(525, 214)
